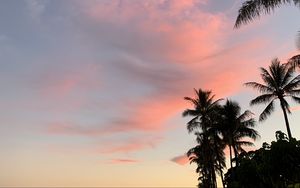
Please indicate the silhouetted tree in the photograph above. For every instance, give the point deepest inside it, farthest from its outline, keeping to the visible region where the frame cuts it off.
(278, 84)
(235, 126)
(208, 156)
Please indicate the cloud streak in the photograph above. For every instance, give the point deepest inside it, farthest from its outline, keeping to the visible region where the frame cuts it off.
(181, 159)
(122, 161)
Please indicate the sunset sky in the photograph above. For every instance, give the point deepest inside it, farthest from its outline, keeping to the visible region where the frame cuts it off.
(92, 91)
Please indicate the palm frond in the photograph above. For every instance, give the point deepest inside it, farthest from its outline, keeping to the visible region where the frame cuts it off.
(267, 111)
(189, 112)
(268, 78)
(288, 73)
(277, 72)
(252, 9)
(293, 92)
(248, 11)
(266, 98)
(248, 132)
(245, 143)
(294, 61)
(216, 102)
(296, 99)
(260, 87)
(249, 123)
(293, 84)
(193, 101)
(192, 124)
(247, 114)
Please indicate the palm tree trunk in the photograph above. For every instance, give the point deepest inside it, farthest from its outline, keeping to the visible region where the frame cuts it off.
(220, 169)
(230, 155)
(286, 120)
(235, 153)
(214, 185)
(221, 174)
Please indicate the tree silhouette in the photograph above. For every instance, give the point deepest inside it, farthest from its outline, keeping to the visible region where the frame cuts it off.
(208, 154)
(267, 166)
(278, 84)
(234, 126)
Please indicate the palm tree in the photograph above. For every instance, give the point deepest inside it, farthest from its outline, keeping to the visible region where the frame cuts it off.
(205, 108)
(278, 84)
(252, 9)
(235, 126)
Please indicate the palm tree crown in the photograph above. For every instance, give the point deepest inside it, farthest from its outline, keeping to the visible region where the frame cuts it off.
(204, 107)
(252, 9)
(278, 84)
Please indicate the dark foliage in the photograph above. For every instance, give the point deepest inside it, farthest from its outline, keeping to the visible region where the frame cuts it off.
(276, 165)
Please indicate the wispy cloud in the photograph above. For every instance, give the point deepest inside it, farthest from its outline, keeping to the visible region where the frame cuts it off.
(132, 145)
(122, 161)
(151, 54)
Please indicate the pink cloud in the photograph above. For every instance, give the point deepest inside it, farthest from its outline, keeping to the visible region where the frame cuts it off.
(150, 113)
(178, 31)
(181, 160)
(170, 47)
(140, 119)
(131, 145)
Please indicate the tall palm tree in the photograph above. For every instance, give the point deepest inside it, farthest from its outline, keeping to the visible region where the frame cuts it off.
(278, 84)
(252, 9)
(235, 126)
(204, 109)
